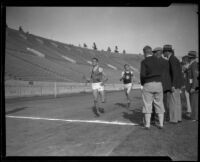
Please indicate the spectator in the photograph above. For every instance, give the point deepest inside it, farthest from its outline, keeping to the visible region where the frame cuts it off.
(85, 45)
(94, 46)
(20, 29)
(185, 65)
(152, 92)
(108, 50)
(116, 49)
(166, 83)
(175, 111)
(193, 80)
(124, 52)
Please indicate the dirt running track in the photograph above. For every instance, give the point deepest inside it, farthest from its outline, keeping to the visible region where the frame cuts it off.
(46, 137)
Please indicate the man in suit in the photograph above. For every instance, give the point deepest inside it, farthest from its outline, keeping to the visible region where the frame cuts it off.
(166, 82)
(152, 92)
(193, 80)
(175, 110)
(186, 88)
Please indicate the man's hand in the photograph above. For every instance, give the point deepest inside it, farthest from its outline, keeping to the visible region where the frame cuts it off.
(102, 83)
(173, 89)
(192, 90)
(88, 81)
(132, 85)
(183, 87)
(121, 79)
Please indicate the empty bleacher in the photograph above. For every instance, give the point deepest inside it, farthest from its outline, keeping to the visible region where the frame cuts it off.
(29, 57)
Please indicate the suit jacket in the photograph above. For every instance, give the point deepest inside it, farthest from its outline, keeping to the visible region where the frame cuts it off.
(187, 77)
(194, 74)
(175, 72)
(166, 80)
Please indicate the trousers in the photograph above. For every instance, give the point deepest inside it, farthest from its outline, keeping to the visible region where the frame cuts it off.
(152, 93)
(194, 105)
(175, 110)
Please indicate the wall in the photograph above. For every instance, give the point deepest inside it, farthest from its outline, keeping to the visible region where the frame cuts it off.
(15, 88)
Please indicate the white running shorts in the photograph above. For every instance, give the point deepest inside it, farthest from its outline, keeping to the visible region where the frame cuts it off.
(128, 87)
(97, 86)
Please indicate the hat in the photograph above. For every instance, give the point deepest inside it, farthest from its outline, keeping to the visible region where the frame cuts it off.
(185, 57)
(147, 48)
(167, 47)
(192, 54)
(157, 49)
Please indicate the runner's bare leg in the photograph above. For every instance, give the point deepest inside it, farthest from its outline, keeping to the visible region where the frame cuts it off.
(102, 93)
(95, 95)
(127, 92)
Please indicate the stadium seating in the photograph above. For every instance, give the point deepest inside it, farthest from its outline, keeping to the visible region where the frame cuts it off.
(33, 58)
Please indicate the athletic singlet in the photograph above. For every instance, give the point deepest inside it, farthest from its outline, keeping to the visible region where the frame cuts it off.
(127, 76)
(96, 76)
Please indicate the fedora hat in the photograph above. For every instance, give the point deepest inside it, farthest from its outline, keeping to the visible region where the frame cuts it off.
(192, 54)
(167, 47)
(157, 49)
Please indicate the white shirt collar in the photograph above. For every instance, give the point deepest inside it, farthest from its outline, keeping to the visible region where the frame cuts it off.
(192, 62)
(149, 55)
(169, 56)
(164, 57)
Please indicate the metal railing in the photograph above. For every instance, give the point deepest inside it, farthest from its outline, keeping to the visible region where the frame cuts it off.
(23, 89)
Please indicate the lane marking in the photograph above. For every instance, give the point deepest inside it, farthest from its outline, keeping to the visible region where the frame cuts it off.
(72, 120)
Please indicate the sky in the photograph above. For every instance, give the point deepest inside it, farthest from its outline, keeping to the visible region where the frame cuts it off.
(129, 28)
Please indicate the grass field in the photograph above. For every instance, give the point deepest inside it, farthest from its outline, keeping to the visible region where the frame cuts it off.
(67, 126)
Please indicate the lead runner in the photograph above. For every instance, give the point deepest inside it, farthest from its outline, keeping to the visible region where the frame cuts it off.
(98, 79)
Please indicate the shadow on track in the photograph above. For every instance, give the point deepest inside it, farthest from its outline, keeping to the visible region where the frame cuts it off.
(124, 105)
(135, 116)
(16, 110)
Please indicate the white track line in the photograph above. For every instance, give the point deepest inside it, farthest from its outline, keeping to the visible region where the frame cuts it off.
(71, 120)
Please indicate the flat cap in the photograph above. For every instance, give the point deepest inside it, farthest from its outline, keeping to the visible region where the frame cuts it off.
(185, 57)
(192, 54)
(157, 49)
(167, 47)
(147, 48)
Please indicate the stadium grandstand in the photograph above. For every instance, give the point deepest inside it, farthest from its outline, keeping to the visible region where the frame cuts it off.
(32, 58)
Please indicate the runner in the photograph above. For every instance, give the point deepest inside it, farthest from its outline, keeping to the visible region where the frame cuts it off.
(127, 77)
(98, 79)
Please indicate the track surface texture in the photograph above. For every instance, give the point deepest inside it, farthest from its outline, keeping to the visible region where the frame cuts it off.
(37, 137)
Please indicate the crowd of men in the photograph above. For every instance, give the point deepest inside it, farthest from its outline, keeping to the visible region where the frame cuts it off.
(164, 78)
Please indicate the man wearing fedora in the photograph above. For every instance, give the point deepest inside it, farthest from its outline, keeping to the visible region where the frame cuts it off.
(152, 92)
(186, 88)
(193, 80)
(166, 82)
(175, 111)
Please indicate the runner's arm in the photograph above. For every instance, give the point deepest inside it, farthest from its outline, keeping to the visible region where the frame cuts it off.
(122, 76)
(88, 79)
(105, 79)
(133, 78)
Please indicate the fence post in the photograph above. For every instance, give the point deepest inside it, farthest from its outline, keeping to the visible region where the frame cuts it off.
(20, 91)
(55, 89)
